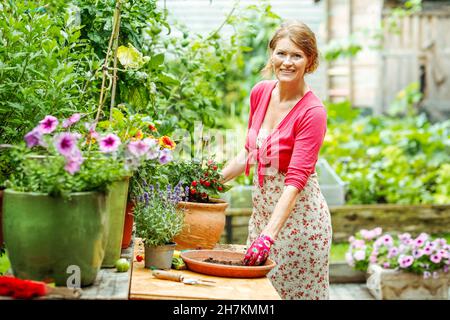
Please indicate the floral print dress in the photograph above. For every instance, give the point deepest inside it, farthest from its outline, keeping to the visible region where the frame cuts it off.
(301, 249)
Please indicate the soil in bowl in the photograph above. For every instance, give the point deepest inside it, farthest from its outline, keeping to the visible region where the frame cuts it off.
(225, 262)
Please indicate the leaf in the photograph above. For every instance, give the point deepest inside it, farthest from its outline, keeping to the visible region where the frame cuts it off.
(130, 57)
(157, 60)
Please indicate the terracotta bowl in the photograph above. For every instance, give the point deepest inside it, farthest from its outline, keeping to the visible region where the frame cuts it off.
(194, 262)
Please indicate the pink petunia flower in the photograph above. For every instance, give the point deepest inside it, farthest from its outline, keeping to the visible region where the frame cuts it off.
(377, 231)
(66, 143)
(387, 241)
(71, 120)
(34, 138)
(428, 250)
(73, 162)
(349, 259)
(360, 255)
(426, 274)
(405, 261)
(138, 148)
(386, 265)
(417, 253)
(358, 244)
(404, 238)
(436, 258)
(48, 124)
(109, 143)
(373, 259)
(393, 252)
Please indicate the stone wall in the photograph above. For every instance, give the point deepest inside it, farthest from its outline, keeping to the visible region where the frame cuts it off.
(347, 220)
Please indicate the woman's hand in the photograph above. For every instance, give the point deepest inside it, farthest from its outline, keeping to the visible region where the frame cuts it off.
(259, 251)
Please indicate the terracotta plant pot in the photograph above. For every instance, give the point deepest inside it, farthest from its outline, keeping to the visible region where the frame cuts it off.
(203, 224)
(128, 227)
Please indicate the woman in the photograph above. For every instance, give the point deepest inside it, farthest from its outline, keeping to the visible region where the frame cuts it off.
(287, 126)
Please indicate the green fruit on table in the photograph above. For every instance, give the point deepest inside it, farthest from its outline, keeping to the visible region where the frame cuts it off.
(122, 265)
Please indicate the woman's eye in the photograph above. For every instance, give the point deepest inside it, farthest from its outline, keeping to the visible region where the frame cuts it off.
(280, 53)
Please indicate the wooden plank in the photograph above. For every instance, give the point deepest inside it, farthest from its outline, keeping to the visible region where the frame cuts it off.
(145, 286)
(110, 284)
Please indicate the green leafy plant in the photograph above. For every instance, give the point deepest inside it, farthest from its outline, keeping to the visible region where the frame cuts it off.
(202, 178)
(45, 68)
(386, 159)
(157, 216)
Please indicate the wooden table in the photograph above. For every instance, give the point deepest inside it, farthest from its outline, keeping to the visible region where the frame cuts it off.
(145, 286)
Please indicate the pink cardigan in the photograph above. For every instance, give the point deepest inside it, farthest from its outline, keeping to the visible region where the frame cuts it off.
(294, 145)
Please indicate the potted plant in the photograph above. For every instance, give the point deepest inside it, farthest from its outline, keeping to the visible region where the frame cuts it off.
(158, 220)
(204, 210)
(401, 267)
(139, 130)
(56, 201)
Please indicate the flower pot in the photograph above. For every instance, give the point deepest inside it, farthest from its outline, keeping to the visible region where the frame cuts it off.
(53, 238)
(385, 284)
(159, 257)
(203, 224)
(117, 198)
(128, 225)
(1, 218)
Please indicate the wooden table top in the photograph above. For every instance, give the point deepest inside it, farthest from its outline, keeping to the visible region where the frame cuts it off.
(145, 286)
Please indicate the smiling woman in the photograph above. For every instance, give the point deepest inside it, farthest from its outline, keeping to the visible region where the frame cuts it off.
(290, 222)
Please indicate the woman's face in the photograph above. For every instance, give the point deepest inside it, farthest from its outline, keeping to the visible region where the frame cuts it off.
(289, 61)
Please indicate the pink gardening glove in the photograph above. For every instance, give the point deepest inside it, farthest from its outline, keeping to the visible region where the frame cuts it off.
(259, 251)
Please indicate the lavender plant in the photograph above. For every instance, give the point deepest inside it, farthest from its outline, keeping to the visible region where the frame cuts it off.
(157, 216)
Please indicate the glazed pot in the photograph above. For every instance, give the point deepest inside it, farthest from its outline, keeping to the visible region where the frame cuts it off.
(117, 198)
(128, 225)
(159, 257)
(1, 219)
(55, 239)
(203, 224)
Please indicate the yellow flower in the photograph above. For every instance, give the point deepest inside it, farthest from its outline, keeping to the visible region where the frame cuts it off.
(166, 142)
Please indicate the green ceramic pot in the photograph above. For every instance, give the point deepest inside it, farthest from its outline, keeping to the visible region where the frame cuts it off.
(117, 199)
(54, 239)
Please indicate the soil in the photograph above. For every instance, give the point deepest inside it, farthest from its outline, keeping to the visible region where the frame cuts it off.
(225, 262)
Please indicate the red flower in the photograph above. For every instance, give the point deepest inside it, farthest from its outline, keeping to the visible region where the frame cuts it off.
(210, 162)
(202, 181)
(203, 195)
(219, 188)
(207, 183)
(193, 191)
(152, 127)
(139, 258)
(215, 168)
(194, 183)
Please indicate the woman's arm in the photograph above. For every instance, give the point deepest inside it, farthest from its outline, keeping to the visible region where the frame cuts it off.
(281, 212)
(235, 167)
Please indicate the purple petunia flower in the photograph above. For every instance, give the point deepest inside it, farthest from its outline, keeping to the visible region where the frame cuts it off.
(48, 124)
(109, 143)
(34, 138)
(138, 148)
(66, 143)
(405, 261)
(165, 156)
(393, 252)
(426, 274)
(386, 265)
(71, 120)
(404, 238)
